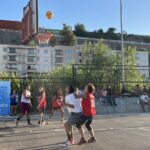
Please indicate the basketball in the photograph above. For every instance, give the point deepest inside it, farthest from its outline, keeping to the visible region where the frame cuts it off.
(49, 14)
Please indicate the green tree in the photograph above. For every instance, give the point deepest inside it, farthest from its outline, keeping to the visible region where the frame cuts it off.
(96, 34)
(98, 54)
(100, 63)
(68, 37)
(80, 30)
(111, 34)
(104, 65)
(111, 30)
(132, 74)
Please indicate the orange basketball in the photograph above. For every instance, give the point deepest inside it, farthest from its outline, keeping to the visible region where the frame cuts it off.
(49, 14)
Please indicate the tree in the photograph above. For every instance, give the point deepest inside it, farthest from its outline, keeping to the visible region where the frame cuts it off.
(102, 65)
(111, 34)
(111, 30)
(96, 34)
(98, 54)
(100, 33)
(80, 30)
(68, 37)
(132, 74)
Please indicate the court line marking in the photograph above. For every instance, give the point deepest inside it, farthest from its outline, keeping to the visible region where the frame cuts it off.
(144, 129)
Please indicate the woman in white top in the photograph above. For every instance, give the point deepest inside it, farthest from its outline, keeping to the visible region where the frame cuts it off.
(25, 104)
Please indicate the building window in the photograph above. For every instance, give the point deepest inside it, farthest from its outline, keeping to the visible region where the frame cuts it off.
(45, 59)
(12, 50)
(32, 67)
(58, 52)
(30, 51)
(4, 49)
(12, 58)
(69, 52)
(31, 59)
(38, 58)
(59, 60)
(4, 57)
(45, 51)
(12, 66)
(80, 54)
(37, 51)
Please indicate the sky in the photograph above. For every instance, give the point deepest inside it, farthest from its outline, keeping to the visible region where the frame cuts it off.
(94, 14)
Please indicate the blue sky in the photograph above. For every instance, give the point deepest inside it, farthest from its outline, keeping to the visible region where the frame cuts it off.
(94, 14)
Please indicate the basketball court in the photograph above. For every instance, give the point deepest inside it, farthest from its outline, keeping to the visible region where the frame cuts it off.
(113, 132)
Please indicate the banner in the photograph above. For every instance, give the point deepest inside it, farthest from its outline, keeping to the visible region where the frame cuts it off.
(4, 98)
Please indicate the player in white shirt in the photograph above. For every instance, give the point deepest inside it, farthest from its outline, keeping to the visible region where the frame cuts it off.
(74, 108)
(25, 104)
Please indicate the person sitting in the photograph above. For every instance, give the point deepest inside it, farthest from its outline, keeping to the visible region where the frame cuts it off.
(137, 91)
(145, 89)
(144, 100)
(110, 96)
(97, 94)
(124, 91)
(104, 95)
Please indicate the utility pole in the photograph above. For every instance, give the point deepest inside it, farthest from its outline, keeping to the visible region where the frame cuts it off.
(122, 45)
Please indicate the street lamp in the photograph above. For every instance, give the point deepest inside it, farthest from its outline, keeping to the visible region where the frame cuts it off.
(122, 45)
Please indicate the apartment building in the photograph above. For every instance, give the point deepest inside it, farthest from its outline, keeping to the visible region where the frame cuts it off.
(26, 59)
(34, 59)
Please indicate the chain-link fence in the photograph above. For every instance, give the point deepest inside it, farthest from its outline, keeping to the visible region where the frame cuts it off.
(111, 75)
(81, 75)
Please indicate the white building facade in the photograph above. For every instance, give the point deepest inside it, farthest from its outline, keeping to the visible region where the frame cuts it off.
(24, 59)
(35, 59)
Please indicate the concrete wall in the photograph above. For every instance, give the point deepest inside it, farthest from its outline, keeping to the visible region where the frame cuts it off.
(124, 105)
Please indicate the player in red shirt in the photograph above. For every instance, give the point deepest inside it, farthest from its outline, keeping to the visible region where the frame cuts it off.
(41, 104)
(57, 104)
(88, 111)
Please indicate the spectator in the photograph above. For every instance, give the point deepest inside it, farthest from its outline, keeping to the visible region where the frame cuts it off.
(145, 89)
(144, 100)
(137, 90)
(124, 91)
(110, 97)
(13, 102)
(104, 95)
(97, 94)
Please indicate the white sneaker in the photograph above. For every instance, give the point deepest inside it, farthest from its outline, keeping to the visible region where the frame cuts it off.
(16, 121)
(43, 123)
(68, 143)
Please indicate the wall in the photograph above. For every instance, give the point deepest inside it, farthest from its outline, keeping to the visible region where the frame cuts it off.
(124, 105)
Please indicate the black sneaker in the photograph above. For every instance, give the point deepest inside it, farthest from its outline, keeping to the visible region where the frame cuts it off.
(92, 140)
(82, 141)
(30, 124)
